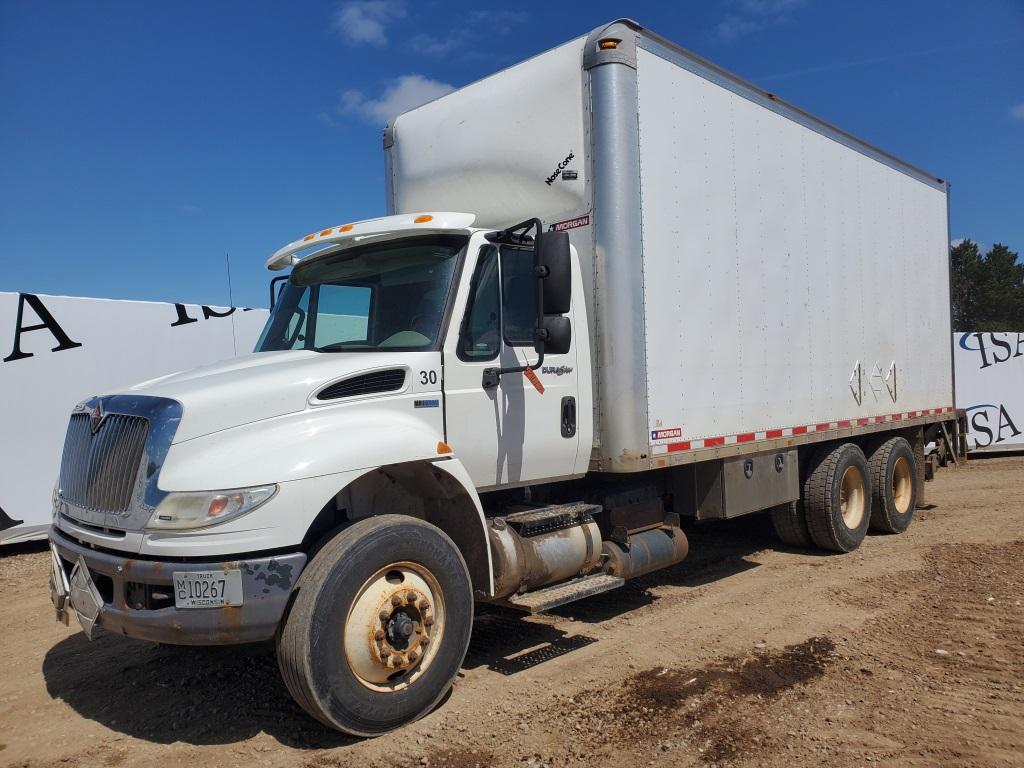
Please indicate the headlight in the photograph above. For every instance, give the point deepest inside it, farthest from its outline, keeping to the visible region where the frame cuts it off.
(202, 508)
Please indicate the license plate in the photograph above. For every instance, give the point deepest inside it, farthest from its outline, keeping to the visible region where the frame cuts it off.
(207, 589)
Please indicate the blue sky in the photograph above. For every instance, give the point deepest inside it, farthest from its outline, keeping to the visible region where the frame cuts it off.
(142, 141)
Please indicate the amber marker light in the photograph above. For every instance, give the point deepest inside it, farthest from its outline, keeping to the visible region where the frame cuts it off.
(422, 219)
(443, 448)
(326, 232)
(608, 43)
(346, 228)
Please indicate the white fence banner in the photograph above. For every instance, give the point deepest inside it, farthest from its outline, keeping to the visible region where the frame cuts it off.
(56, 351)
(990, 387)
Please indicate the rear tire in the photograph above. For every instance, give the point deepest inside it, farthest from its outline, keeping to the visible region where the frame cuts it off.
(893, 469)
(837, 498)
(379, 626)
(791, 525)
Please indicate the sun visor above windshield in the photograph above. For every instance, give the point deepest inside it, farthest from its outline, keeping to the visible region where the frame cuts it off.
(383, 228)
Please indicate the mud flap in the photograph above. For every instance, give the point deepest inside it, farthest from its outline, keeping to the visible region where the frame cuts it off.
(85, 598)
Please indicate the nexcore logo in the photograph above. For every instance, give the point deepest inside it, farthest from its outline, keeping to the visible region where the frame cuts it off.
(561, 166)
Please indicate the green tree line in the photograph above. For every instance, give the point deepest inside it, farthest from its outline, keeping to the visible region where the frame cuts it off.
(987, 289)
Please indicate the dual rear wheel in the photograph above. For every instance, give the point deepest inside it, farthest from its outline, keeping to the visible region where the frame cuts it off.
(846, 492)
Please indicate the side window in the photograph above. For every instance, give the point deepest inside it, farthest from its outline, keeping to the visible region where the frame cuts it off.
(341, 314)
(481, 337)
(519, 296)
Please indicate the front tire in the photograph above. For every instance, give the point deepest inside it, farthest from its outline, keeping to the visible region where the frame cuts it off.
(837, 498)
(379, 626)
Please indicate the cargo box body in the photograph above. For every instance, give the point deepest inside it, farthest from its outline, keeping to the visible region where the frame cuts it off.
(753, 274)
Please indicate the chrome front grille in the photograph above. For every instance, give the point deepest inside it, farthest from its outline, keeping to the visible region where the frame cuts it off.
(99, 469)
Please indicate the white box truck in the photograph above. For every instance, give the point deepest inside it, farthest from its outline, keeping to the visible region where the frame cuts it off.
(617, 287)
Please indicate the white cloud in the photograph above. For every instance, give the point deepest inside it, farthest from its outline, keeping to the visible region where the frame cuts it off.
(1017, 112)
(500, 22)
(365, 21)
(400, 95)
(983, 248)
(747, 16)
(464, 38)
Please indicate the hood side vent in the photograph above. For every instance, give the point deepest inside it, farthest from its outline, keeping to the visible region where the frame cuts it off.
(390, 380)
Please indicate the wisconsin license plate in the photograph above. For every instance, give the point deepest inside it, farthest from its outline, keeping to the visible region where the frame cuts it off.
(207, 589)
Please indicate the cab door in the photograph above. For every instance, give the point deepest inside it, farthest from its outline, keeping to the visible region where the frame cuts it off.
(512, 434)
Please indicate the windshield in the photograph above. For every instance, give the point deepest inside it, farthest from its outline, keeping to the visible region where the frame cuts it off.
(381, 296)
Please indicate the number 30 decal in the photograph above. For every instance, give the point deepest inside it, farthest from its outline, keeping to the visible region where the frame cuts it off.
(428, 377)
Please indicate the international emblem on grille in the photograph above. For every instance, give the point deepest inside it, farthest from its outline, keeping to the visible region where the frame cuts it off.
(96, 417)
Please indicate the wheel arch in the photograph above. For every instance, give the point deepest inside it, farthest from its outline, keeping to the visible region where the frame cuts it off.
(438, 492)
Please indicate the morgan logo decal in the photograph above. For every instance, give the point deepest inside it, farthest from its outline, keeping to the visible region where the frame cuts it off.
(666, 434)
(565, 226)
(558, 171)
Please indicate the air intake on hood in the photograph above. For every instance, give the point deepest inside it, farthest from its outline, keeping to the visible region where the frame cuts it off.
(390, 380)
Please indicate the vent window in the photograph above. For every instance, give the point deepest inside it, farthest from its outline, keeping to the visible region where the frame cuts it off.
(390, 380)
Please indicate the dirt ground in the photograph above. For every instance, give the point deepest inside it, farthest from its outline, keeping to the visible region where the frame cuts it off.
(907, 652)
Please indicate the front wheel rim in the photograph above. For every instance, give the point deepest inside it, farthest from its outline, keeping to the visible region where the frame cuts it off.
(852, 497)
(394, 627)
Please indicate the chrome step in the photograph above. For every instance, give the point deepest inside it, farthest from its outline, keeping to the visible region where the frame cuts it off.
(545, 599)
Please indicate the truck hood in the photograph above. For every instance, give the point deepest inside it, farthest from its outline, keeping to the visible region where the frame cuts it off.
(257, 386)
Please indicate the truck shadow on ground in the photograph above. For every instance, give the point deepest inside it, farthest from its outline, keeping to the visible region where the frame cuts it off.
(224, 695)
(164, 694)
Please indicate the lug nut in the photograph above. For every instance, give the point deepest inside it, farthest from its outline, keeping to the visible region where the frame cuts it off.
(424, 640)
(424, 605)
(411, 597)
(378, 635)
(412, 656)
(385, 656)
(383, 615)
(396, 600)
(428, 621)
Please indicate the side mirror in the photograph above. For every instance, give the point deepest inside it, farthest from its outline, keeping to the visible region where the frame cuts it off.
(552, 255)
(558, 332)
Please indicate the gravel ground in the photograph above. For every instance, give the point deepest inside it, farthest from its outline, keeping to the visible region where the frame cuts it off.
(907, 652)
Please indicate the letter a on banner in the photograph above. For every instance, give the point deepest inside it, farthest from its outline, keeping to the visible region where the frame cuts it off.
(47, 321)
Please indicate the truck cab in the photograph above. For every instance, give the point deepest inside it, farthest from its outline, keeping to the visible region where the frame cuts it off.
(410, 364)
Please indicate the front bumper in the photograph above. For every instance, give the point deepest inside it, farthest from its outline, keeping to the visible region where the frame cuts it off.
(137, 595)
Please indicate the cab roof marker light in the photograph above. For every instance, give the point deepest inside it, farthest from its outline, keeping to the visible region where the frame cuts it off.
(423, 219)
(326, 232)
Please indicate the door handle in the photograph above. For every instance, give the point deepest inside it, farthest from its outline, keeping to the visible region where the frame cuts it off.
(568, 416)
